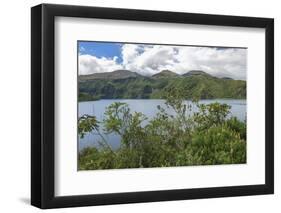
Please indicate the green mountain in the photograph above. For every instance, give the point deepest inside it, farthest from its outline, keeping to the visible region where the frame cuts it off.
(196, 72)
(124, 84)
(165, 74)
(117, 74)
(227, 78)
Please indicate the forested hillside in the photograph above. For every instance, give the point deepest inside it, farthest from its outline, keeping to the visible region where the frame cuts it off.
(124, 84)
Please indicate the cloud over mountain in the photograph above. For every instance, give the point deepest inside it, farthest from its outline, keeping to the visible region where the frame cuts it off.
(152, 59)
(89, 64)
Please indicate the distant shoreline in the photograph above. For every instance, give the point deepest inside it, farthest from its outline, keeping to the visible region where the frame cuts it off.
(120, 99)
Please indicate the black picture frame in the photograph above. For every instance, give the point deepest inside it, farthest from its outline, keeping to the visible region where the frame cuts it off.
(43, 102)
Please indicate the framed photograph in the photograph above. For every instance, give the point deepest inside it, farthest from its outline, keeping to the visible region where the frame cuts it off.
(139, 106)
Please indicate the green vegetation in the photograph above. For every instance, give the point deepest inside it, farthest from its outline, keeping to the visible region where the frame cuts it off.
(209, 136)
(86, 97)
(129, 85)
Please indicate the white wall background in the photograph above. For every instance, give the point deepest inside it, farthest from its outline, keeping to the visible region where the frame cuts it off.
(15, 105)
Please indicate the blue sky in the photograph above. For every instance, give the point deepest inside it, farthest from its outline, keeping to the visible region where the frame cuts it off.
(101, 49)
(96, 57)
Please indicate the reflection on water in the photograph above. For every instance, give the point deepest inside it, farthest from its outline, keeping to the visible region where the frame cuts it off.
(147, 107)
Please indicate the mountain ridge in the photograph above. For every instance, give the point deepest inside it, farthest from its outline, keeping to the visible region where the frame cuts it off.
(196, 72)
(125, 84)
(123, 74)
(116, 74)
(165, 73)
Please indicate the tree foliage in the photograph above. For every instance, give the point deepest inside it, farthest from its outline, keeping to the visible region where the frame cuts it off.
(209, 136)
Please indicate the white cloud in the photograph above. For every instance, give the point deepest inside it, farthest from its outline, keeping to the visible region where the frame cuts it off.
(129, 52)
(151, 59)
(89, 64)
(221, 62)
(229, 62)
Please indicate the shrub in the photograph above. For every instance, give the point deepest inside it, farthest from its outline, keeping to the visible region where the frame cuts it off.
(207, 137)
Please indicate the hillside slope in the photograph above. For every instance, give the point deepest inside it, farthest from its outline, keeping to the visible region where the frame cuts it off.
(165, 74)
(125, 85)
(117, 74)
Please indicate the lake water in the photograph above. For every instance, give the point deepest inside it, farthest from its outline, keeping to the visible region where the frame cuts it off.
(147, 107)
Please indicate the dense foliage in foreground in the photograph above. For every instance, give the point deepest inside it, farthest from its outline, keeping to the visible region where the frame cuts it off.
(199, 86)
(208, 137)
